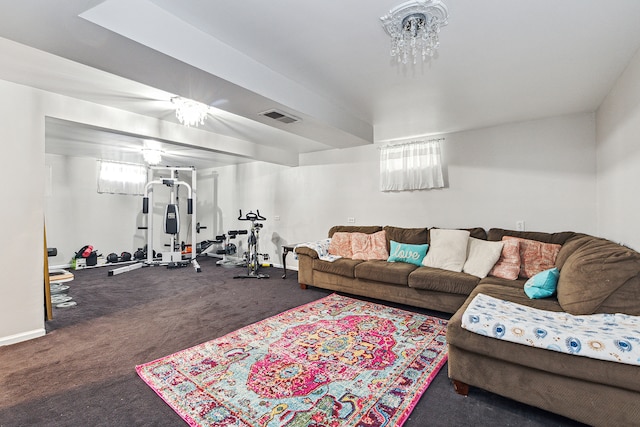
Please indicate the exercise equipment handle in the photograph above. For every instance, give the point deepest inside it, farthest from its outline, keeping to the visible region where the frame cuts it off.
(145, 205)
(189, 206)
(250, 216)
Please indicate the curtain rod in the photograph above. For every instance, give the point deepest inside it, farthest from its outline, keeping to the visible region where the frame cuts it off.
(397, 144)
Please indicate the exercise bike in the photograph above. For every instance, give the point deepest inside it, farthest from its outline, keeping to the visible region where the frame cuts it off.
(252, 254)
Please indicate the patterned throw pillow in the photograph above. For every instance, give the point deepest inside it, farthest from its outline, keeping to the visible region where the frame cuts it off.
(341, 244)
(404, 252)
(508, 265)
(369, 246)
(535, 256)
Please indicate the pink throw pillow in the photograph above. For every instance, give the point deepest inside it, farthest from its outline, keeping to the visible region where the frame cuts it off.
(340, 244)
(369, 246)
(535, 256)
(508, 265)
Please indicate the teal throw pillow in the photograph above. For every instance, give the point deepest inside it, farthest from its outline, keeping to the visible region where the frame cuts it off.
(543, 284)
(404, 252)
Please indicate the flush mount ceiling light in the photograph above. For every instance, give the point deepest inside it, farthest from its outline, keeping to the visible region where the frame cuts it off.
(152, 156)
(414, 27)
(190, 112)
(152, 152)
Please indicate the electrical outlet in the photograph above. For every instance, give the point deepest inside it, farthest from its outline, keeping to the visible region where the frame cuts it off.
(351, 220)
(276, 218)
(520, 225)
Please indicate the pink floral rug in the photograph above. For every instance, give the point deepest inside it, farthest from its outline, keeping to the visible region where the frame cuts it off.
(334, 362)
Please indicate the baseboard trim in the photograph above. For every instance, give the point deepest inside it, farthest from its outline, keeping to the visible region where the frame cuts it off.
(59, 267)
(25, 336)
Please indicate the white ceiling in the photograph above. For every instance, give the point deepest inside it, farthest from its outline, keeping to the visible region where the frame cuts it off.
(326, 62)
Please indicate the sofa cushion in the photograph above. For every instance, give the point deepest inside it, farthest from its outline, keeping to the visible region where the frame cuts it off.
(342, 267)
(383, 271)
(404, 252)
(482, 255)
(594, 273)
(475, 232)
(437, 279)
(543, 284)
(569, 247)
(508, 265)
(493, 280)
(535, 256)
(369, 246)
(340, 244)
(413, 236)
(367, 229)
(496, 234)
(447, 250)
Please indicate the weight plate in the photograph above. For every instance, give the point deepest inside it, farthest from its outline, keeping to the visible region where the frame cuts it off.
(66, 304)
(56, 289)
(57, 299)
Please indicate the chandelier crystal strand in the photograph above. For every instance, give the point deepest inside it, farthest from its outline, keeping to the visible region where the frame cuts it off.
(414, 28)
(190, 112)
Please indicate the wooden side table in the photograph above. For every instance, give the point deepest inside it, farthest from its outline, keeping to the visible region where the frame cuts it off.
(285, 251)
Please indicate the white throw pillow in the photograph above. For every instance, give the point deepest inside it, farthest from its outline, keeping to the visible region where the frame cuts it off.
(447, 249)
(482, 255)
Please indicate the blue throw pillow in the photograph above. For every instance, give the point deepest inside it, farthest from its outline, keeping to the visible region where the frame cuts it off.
(404, 252)
(543, 284)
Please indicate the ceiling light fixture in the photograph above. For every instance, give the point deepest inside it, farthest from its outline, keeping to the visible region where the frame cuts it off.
(152, 152)
(414, 27)
(190, 112)
(152, 156)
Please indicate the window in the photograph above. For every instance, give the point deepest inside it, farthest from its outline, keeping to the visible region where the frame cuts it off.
(121, 178)
(412, 166)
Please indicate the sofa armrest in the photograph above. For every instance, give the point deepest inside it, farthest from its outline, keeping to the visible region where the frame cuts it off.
(304, 251)
(305, 265)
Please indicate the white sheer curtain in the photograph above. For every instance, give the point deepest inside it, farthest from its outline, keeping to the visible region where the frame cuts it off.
(121, 178)
(412, 166)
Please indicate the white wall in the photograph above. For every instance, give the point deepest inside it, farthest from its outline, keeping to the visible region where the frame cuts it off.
(542, 172)
(618, 151)
(21, 252)
(77, 215)
(22, 131)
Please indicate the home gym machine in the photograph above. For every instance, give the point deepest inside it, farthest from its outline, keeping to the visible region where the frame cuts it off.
(174, 257)
(251, 255)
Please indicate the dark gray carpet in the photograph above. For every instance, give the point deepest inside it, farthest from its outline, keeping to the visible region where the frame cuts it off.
(82, 372)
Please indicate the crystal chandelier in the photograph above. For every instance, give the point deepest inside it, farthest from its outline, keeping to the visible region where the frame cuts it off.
(414, 27)
(190, 112)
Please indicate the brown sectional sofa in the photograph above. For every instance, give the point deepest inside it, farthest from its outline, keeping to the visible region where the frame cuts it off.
(403, 283)
(596, 276)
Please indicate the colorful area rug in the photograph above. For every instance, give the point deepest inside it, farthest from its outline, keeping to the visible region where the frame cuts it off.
(334, 362)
